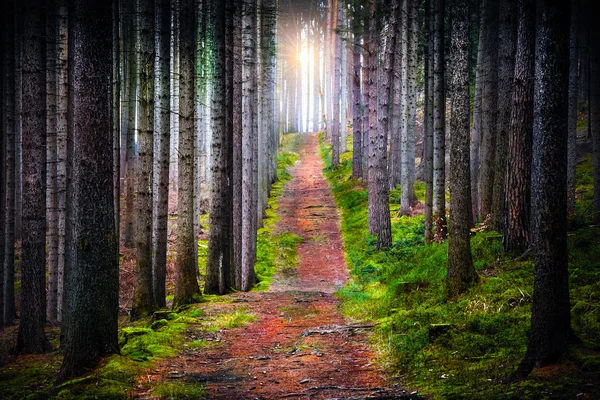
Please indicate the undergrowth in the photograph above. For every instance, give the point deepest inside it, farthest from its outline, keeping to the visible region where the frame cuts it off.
(469, 348)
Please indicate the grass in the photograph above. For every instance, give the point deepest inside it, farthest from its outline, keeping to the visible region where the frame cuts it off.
(471, 347)
(277, 251)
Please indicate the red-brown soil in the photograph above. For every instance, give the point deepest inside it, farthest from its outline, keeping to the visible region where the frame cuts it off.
(300, 346)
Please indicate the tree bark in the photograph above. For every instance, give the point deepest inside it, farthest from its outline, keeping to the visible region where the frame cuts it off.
(336, 98)
(379, 210)
(439, 125)
(143, 296)
(92, 282)
(162, 129)
(186, 283)
(574, 60)
(461, 273)
(428, 122)
(489, 107)
(550, 313)
(32, 338)
(357, 115)
(506, 73)
(518, 183)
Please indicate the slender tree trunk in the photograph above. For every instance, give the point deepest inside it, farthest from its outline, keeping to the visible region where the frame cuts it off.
(218, 258)
(594, 116)
(32, 338)
(379, 210)
(550, 313)
(130, 174)
(439, 125)
(63, 137)
(506, 72)
(8, 189)
(174, 159)
(404, 105)
(518, 180)
(395, 158)
(316, 74)
(366, 78)
(116, 120)
(51, 165)
(476, 134)
(343, 77)
(143, 296)
(7, 22)
(574, 60)
(428, 122)
(162, 129)
(357, 115)
(335, 131)
(237, 183)
(92, 282)
(489, 107)
(186, 284)
(461, 273)
(411, 84)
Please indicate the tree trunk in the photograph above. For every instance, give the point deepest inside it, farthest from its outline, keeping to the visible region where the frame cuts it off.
(336, 98)
(518, 180)
(461, 273)
(550, 313)
(175, 98)
(143, 297)
(595, 117)
(131, 44)
(489, 106)
(8, 189)
(92, 282)
(63, 138)
(379, 210)
(218, 258)
(574, 60)
(357, 115)
(506, 73)
(439, 125)
(186, 284)
(32, 338)
(476, 133)
(404, 106)
(316, 74)
(162, 129)
(428, 122)
(411, 84)
(343, 77)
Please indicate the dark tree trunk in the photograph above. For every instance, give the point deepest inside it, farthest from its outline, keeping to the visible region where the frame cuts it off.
(594, 116)
(428, 122)
(357, 119)
(461, 273)
(379, 210)
(186, 284)
(32, 338)
(219, 240)
(162, 129)
(439, 124)
(550, 313)
(488, 106)
(336, 95)
(506, 73)
(8, 188)
(476, 133)
(518, 180)
(91, 302)
(574, 60)
(143, 297)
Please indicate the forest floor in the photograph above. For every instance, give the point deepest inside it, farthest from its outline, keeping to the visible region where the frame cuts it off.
(300, 346)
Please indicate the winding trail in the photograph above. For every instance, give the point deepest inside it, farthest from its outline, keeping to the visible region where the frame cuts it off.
(300, 347)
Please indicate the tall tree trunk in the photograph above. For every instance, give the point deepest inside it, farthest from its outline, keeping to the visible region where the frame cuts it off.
(162, 129)
(63, 138)
(574, 60)
(518, 180)
(461, 273)
(411, 85)
(143, 297)
(366, 78)
(379, 210)
(237, 183)
(175, 98)
(316, 74)
(186, 284)
(219, 258)
(550, 313)
(396, 121)
(7, 22)
(92, 282)
(439, 125)
(131, 44)
(594, 116)
(489, 107)
(506, 73)
(51, 166)
(343, 77)
(404, 105)
(116, 120)
(428, 122)
(476, 134)
(8, 189)
(335, 131)
(32, 338)
(357, 115)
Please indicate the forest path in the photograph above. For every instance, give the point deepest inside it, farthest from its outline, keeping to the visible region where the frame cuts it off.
(300, 345)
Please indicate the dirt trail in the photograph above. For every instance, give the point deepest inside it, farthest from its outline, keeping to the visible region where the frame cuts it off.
(300, 347)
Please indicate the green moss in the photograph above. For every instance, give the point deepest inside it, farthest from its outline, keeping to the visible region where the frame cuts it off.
(178, 391)
(485, 330)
